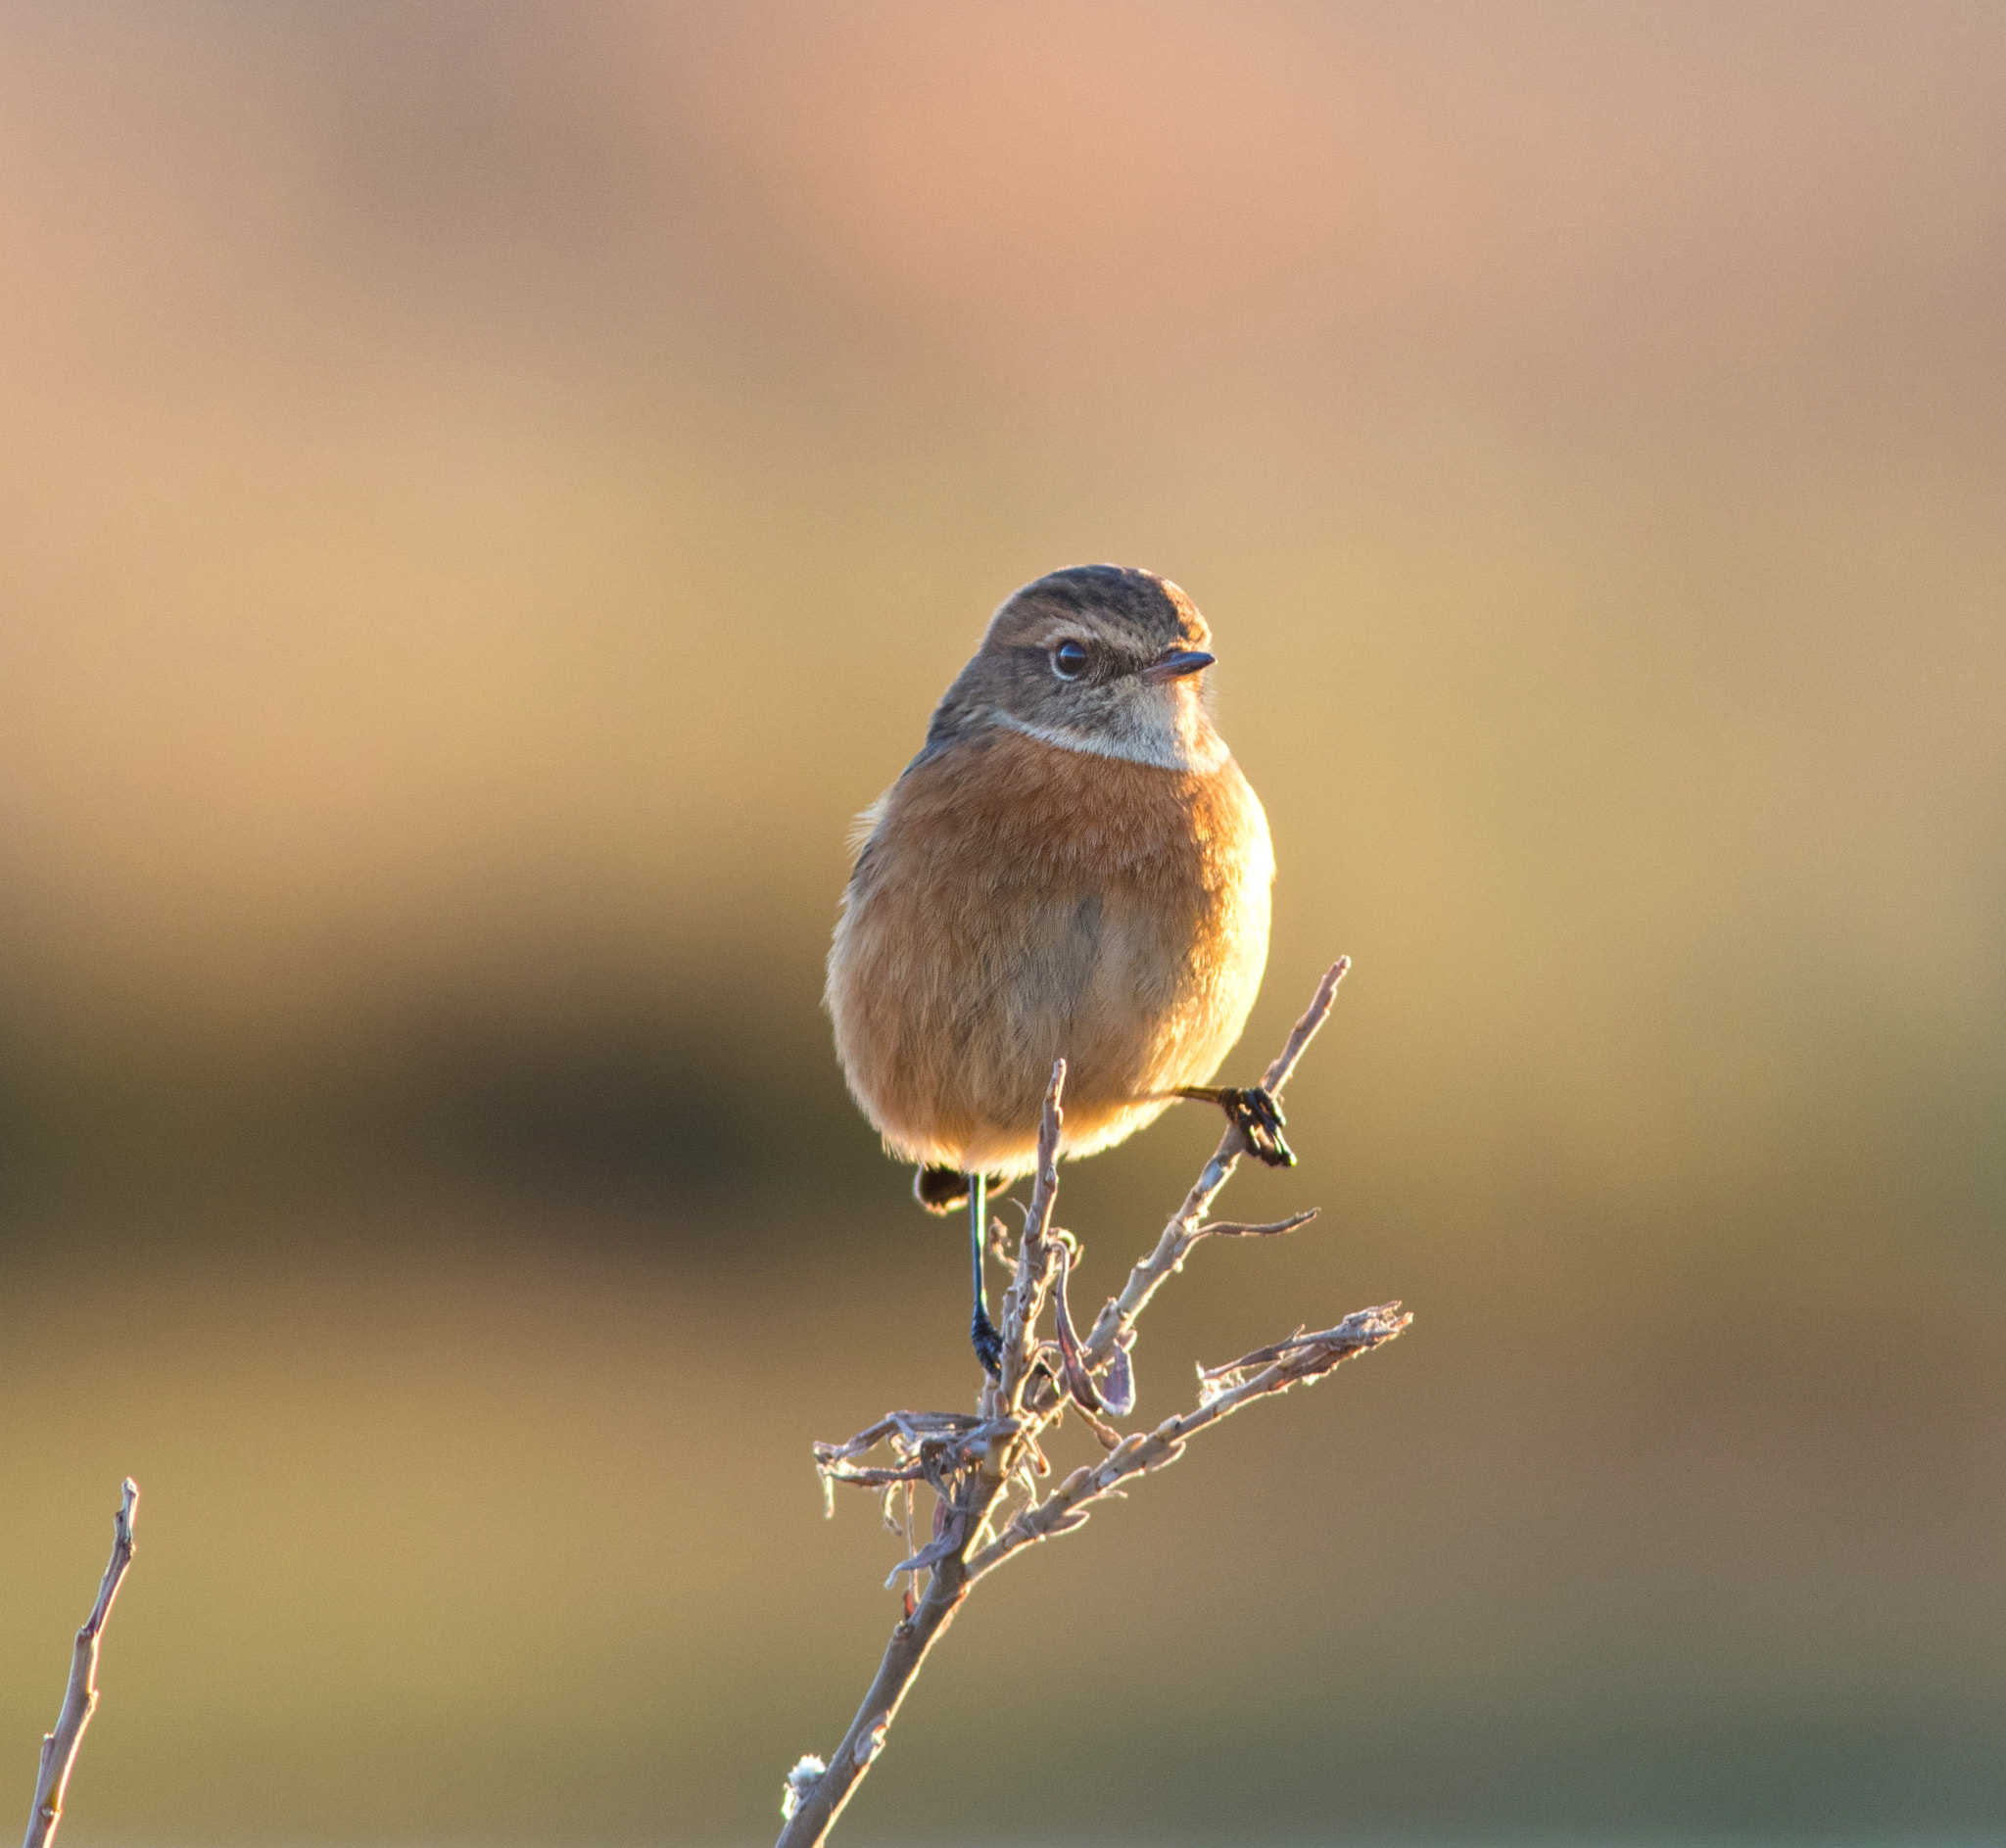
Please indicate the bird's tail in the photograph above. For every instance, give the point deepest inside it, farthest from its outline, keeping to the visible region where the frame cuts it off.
(941, 1189)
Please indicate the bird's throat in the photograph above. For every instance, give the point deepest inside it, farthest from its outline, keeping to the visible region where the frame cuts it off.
(1194, 748)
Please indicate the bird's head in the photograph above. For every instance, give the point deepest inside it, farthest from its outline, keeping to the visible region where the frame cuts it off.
(1100, 658)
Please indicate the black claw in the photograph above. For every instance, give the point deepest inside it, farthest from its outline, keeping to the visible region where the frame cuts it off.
(1259, 1118)
(988, 1345)
(1263, 1123)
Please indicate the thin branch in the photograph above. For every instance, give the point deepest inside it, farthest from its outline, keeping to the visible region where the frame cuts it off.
(80, 1698)
(967, 1470)
(1185, 1229)
(816, 1794)
(971, 1461)
(1230, 1229)
(1307, 1359)
(1025, 1299)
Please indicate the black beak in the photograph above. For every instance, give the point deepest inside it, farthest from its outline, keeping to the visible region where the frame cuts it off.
(1175, 661)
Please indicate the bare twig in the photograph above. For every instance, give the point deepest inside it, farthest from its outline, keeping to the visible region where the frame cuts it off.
(1310, 1359)
(1024, 1300)
(80, 1698)
(1231, 1229)
(1186, 1225)
(970, 1462)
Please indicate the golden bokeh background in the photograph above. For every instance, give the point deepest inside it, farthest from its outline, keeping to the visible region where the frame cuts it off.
(487, 492)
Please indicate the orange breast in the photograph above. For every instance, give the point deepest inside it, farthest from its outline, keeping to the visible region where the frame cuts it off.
(1018, 901)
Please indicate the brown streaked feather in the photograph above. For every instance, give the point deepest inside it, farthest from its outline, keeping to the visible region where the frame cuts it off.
(1016, 902)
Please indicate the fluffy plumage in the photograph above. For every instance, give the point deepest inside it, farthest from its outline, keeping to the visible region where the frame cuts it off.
(1073, 865)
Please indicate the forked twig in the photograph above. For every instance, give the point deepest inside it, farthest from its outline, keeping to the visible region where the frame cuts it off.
(1064, 1509)
(1187, 1226)
(970, 1462)
(80, 1698)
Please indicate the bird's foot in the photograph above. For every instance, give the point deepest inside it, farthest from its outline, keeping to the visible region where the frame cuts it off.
(1253, 1111)
(989, 1343)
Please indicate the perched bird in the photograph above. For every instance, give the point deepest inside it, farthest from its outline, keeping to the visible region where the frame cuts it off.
(1073, 866)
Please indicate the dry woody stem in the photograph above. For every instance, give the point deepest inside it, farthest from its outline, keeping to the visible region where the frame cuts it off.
(80, 1698)
(979, 1464)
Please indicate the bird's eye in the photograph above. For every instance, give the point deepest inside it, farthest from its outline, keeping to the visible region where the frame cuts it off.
(1069, 658)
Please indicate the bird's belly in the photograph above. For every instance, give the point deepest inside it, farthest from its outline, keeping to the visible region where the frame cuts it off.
(1127, 935)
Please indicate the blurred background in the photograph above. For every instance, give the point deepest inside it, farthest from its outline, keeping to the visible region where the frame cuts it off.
(489, 491)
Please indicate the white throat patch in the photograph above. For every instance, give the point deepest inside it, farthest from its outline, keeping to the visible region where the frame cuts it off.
(1163, 749)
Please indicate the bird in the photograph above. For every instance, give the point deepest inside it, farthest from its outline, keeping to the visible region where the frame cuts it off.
(1072, 866)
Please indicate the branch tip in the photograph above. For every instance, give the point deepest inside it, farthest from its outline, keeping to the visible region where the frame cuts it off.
(81, 1697)
(1313, 1017)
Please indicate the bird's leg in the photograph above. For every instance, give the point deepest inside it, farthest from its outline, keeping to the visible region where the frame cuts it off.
(989, 1343)
(1256, 1111)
